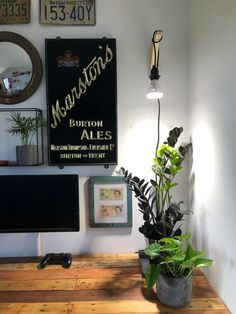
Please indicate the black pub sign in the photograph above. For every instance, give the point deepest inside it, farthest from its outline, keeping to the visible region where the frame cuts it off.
(82, 101)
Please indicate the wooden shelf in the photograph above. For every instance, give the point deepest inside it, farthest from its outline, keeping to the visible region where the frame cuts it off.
(110, 283)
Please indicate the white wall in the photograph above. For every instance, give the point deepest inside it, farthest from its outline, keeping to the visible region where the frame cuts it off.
(132, 23)
(206, 34)
(213, 129)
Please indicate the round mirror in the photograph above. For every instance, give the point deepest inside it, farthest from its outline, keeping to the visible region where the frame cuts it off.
(20, 68)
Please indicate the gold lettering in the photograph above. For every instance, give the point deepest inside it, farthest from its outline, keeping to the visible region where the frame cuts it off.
(103, 65)
(97, 155)
(70, 156)
(69, 102)
(57, 114)
(87, 81)
(74, 91)
(96, 135)
(108, 135)
(99, 135)
(84, 135)
(72, 123)
(109, 54)
(93, 73)
(89, 75)
(85, 124)
(82, 87)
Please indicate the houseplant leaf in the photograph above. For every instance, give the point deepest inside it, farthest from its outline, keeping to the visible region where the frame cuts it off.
(152, 250)
(193, 254)
(203, 262)
(151, 275)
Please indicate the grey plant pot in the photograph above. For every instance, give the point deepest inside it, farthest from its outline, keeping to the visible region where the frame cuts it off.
(175, 292)
(26, 155)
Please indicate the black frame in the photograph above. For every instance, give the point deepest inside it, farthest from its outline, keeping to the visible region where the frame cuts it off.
(82, 101)
(29, 191)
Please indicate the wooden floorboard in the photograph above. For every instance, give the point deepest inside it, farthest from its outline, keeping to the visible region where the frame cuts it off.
(111, 307)
(73, 273)
(138, 293)
(99, 284)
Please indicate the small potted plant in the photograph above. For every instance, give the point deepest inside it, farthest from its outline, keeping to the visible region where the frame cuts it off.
(26, 128)
(160, 213)
(172, 269)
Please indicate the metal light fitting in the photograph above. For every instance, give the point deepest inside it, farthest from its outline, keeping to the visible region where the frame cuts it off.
(154, 90)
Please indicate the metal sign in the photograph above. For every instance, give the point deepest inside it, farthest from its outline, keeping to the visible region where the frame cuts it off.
(14, 11)
(81, 99)
(67, 12)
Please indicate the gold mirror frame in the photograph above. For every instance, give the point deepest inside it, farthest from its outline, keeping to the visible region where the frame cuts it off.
(37, 68)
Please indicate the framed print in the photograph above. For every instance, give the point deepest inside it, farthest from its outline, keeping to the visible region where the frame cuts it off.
(110, 202)
(81, 101)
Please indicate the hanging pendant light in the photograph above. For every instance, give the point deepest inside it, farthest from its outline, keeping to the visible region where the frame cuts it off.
(154, 90)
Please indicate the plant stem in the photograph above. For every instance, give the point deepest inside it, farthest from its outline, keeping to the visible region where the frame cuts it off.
(170, 270)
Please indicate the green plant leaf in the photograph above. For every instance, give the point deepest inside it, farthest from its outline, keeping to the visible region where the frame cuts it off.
(25, 127)
(153, 183)
(148, 190)
(193, 254)
(176, 258)
(183, 150)
(173, 241)
(136, 179)
(151, 275)
(174, 135)
(169, 248)
(161, 151)
(170, 184)
(175, 169)
(203, 262)
(185, 236)
(175, 158)
(187, 264)
(152, 250)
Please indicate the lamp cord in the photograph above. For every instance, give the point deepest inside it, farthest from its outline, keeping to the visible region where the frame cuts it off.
(158, 122)
(158, 128)
(156, 62)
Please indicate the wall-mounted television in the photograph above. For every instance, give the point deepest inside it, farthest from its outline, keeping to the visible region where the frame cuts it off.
(39, 203)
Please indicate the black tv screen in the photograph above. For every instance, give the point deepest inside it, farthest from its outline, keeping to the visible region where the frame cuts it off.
(39, 203)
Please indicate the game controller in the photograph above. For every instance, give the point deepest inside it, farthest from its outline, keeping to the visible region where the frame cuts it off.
(63, 259)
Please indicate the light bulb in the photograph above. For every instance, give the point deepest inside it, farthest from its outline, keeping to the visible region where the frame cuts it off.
(154, 90)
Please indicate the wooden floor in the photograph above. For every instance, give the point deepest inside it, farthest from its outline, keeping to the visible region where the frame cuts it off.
(96, 284)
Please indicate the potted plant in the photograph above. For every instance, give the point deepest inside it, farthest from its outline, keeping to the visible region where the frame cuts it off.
(172, 271)
(160, 213)
(26, 128)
